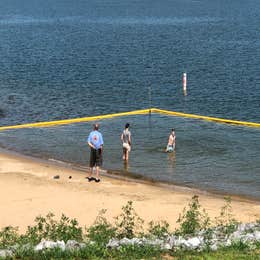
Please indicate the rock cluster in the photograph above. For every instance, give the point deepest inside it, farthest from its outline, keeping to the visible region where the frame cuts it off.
(70, 245)
(205, 239)
(210, 239)
(44, 244)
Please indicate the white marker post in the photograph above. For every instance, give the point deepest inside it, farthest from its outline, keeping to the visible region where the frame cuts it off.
(184, 83)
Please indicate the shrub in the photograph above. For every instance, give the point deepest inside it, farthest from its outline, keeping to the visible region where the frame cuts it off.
(136, 252)
(101, 231)
(158, 229)
(9, 236)
(128, 222)
(48, 228)
(226, 221)
(193, 220)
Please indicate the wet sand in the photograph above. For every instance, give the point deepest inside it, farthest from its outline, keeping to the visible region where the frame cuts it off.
(28, 189)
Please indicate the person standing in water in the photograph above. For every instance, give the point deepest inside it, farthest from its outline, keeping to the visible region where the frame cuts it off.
(126, 142)
(171, 142)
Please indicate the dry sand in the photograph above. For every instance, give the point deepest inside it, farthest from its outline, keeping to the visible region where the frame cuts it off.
(27, 189)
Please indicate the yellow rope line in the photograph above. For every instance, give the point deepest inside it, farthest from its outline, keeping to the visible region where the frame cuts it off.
(75, 120)
(207, 118)
(135, 112)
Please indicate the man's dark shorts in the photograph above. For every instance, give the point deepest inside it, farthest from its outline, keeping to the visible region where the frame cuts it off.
(95, 157)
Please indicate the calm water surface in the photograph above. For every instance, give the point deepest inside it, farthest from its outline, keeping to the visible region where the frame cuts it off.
(66, 59)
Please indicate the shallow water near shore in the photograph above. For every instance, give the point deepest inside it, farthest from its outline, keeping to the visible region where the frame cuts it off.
(64, 60)
(208, 156)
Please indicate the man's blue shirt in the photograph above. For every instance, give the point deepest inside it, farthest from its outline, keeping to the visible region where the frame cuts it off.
(96, 139)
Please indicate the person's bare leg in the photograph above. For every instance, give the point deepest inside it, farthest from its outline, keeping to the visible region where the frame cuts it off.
(90, 174)
(97, 172)
(126, 155)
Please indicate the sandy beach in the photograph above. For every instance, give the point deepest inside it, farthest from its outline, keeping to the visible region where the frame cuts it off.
(28, 189)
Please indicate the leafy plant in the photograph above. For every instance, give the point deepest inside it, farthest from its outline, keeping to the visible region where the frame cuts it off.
(226, 221)
(101, 231)
(158, 229)
(9, 236)
(48, 228)
(128, 222)
(193, 220)
(137, 252)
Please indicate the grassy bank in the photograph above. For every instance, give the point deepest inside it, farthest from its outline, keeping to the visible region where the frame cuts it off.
(129, 237)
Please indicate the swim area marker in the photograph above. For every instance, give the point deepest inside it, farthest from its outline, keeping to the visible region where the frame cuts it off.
(135, 112)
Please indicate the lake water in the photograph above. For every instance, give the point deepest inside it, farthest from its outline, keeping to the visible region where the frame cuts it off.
(68, 59)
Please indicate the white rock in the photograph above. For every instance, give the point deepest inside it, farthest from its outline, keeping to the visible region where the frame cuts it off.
(252, 225)
(166, 246)
(247, 238)
(144, 241)
(156, 242)
(214, 235)
(73, 244)
(6, 253)
(39, 247)
(136, 241)
(179, 242)
(61, 245)
(227, 242)
(125, 241)
(236, 235)
(214, 247)
(242, 227)
(171, 240)
(44, 244)
(113, 243)
(257, 235)
(193, 243)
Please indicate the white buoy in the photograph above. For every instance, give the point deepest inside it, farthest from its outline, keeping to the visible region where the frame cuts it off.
(184, 83)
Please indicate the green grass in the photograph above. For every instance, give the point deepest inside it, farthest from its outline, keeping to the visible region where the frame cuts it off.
(138, 252)
(94, 252)
(222, 254)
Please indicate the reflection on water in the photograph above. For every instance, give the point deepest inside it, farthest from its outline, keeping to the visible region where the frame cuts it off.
(126, 165)
(172, 160)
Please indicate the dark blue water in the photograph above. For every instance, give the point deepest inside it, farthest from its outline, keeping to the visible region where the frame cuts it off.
(67, 59)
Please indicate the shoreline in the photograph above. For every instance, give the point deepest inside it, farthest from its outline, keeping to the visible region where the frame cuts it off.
(27, 189)
(130, 177)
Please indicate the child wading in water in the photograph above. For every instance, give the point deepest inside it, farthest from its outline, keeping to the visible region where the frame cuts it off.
(171, 142)
(126, 142)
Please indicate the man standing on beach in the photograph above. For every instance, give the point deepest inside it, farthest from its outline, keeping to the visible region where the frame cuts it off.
(95, 142)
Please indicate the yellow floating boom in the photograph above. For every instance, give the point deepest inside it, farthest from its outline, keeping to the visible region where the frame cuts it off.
(135, 112)
(207, 118)
(75, 120)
